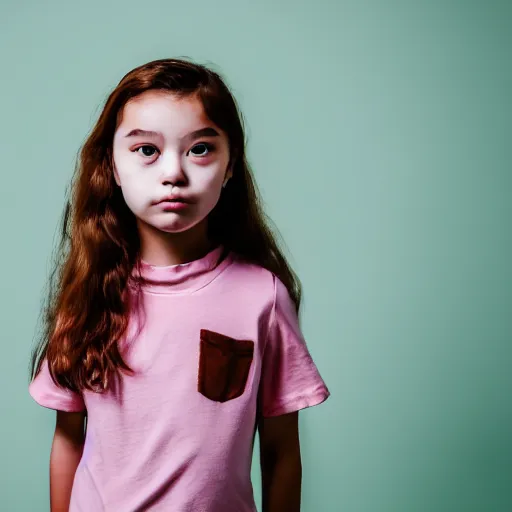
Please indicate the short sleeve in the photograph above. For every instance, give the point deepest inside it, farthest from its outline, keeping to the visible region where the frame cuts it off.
(46, 393)
(290, 380)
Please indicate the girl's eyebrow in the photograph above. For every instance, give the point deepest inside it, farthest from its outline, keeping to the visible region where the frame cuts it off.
(203, 132)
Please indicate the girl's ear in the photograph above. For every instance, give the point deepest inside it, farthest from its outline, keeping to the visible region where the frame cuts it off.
(229, 170)
(116, 177)
(229, 174)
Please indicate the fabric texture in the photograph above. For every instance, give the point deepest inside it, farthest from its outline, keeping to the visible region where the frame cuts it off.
(213, 343)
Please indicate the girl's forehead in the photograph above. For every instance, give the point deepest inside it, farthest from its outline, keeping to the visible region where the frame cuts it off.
(162, 108)
(163, 112)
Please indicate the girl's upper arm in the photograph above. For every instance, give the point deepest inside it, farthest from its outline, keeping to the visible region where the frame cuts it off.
(279, 434)
(71, 425)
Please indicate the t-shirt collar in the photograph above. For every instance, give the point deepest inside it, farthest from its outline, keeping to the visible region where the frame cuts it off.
(183, 276)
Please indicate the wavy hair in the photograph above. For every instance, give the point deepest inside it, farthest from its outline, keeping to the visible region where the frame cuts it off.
(87, 308)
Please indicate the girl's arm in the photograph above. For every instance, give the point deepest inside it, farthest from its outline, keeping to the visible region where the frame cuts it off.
(281, 467)
(66, 452)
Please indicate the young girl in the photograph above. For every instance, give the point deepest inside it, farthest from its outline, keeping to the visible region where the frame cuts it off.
(174, 330)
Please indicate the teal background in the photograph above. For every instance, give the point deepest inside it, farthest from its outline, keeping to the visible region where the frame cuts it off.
(380, 136)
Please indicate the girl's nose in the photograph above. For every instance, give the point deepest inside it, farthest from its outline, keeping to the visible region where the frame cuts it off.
(172, 170)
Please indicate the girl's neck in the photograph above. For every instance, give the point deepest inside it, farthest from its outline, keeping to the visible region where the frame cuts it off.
(161, 249)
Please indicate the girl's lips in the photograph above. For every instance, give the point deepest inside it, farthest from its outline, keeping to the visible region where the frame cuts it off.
(173, 205)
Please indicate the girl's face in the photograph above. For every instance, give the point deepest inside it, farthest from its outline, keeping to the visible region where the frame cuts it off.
(186, 158)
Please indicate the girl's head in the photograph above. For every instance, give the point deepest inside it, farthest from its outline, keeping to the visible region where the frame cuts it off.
(123, 172)
(174, 98)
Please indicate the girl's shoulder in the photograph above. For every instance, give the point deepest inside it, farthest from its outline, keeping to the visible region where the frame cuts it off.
(254, 274)
(255, 280)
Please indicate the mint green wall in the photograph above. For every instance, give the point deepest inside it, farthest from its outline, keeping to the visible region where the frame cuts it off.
(380, 135)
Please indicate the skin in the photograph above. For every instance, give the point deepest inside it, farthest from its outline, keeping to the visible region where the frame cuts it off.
(280, 460)
(149, 168)
(66, 452)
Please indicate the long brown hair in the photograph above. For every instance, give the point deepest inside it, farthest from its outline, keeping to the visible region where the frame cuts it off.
(86, 309)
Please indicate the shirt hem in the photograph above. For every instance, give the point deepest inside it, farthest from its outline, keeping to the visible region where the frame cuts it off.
(298, 403)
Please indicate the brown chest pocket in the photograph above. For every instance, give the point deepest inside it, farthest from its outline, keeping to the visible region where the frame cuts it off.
(224, 365)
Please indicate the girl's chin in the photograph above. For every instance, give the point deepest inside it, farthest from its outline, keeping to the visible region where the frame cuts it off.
(176, 224)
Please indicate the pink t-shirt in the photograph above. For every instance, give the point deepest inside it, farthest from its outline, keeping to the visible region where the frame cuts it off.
(220, 342)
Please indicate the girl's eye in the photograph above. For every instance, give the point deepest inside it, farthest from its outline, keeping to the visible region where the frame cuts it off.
(146, 146)
(202, 147)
